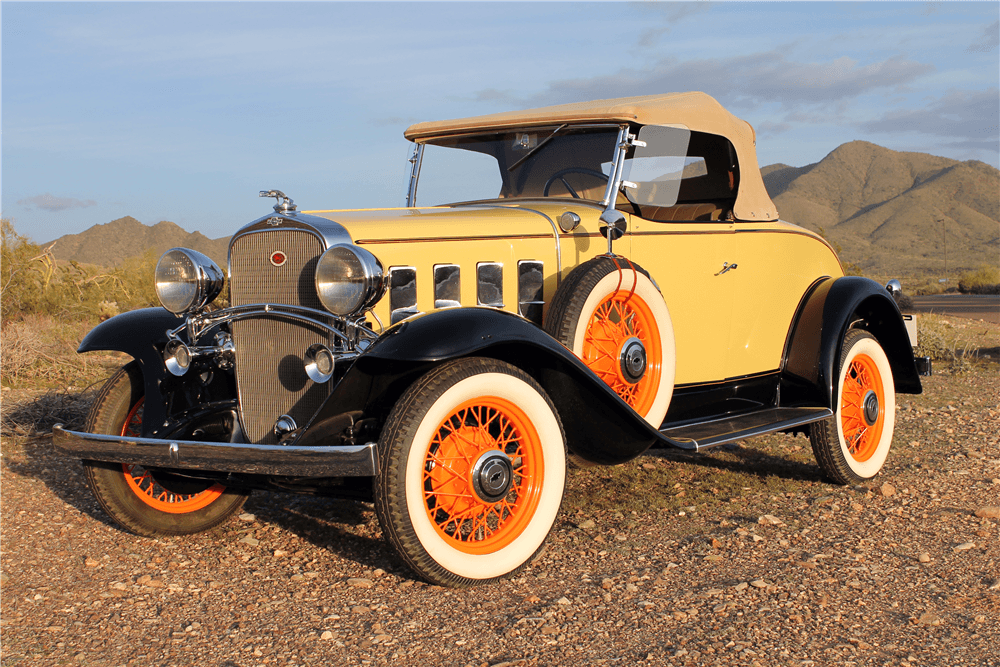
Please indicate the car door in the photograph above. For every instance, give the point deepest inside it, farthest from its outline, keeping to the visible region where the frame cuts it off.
(686, 260)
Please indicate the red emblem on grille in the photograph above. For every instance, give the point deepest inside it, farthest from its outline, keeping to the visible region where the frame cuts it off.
(278, 258)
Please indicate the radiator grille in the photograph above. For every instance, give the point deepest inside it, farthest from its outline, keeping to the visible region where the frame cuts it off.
(269, 373)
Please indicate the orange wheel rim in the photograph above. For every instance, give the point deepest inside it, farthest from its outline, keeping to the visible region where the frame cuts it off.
(620, 317)
(149, 491)
(473, 432)
(862, 434)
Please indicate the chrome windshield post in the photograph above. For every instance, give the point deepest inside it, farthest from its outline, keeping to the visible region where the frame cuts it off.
(613, 221)
(415, 161)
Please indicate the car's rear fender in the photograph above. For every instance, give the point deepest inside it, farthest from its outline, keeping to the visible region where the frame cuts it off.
(812, 349)
(599, 426)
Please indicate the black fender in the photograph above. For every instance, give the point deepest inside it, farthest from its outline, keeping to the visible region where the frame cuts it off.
(142, 334)
(600, 427)
(813, 346)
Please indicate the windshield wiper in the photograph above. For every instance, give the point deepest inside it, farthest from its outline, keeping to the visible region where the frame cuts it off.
(536, 148)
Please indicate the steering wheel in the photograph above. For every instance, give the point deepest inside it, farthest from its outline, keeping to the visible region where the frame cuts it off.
(571, 170)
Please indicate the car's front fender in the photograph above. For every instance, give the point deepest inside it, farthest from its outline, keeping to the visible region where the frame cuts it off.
(599, 426)
(140, 334)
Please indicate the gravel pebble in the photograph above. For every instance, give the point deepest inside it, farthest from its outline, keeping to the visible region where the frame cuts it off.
(988, 512)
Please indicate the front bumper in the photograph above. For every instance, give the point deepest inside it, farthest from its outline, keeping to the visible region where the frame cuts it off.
(348, 461)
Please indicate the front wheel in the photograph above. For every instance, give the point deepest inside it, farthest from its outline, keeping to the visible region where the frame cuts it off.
(473, 468)
(151, 503)
(853, 446)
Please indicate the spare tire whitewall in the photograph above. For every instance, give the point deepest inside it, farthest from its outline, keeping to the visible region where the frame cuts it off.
(612, 316)
(473, 470)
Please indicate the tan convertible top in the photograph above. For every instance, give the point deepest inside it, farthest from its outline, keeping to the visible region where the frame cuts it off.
(697, 111)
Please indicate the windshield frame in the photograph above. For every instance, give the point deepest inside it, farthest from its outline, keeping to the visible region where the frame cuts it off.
(551, 129)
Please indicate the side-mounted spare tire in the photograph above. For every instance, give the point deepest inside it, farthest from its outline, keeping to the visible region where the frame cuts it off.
(612, 316)
(150, 503)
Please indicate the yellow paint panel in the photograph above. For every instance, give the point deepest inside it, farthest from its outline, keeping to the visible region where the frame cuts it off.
(777, 264)
(683, 259)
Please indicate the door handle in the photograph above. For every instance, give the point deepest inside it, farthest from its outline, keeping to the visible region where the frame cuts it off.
(726, 266)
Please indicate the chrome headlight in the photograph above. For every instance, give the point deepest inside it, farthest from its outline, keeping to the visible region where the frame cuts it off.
(187, 280)
(349, 279)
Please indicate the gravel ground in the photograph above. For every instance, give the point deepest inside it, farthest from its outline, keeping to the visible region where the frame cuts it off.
(741, 556)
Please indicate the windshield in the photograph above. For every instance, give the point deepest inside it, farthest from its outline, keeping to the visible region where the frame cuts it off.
(554, 161)
(665, 166)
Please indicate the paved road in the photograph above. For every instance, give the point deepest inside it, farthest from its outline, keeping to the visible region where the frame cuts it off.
(961, 305)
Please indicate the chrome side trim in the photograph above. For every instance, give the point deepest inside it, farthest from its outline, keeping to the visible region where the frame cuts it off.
(447, 285)
(402, 293)
(349, 461)
(489, 284)
(530, 286)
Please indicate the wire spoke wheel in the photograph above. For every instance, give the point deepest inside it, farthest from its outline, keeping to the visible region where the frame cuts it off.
(454, 504)
(862, 383)
(473, 468)
(853, 445)
(146, 487)
(612, 316)
(149, 502)
(624, 316)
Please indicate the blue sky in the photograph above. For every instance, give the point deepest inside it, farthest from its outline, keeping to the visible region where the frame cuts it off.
(184, 111)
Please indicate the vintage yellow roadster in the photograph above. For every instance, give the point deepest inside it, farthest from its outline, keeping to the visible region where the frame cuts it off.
(585, 282)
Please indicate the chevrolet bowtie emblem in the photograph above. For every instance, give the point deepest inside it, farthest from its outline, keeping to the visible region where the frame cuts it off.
(274, 221)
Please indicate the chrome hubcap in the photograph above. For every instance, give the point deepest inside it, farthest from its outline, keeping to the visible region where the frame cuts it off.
(492, 476)
(633, 360)
(871, 408)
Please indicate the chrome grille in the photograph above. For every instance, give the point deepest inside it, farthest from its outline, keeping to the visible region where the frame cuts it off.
(270, 376)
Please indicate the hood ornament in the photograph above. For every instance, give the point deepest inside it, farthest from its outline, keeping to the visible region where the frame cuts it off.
(284, 205)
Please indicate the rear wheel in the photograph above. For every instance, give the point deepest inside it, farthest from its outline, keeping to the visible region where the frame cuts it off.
(148, 502)
(473, 468)
(853, 446)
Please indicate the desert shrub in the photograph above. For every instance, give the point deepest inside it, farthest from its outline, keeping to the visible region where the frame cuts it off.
(984, 280)
(33, 283)
(20, 347)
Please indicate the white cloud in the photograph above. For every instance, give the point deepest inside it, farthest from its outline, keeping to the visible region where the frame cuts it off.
(48, 202)
(971, 116)
(750, 80)
(988, 41)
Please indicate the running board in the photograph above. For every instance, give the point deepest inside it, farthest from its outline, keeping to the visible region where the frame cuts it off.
(729, 429)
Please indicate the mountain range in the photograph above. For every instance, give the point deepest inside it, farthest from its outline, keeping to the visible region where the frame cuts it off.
(113, 242)
(894, 212)
(888, 211)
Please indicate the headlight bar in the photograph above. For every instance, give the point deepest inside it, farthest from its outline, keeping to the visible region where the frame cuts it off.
(197, 325)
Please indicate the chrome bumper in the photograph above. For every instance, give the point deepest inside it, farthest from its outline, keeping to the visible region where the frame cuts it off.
(351, 461)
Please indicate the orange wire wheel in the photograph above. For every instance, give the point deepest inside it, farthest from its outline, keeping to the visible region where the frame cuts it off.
(151, 492)
(612, 316)
(472, 469)
(621, 345)
(482, 475)
(862, 412)
(853, 445)
(142, 501)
